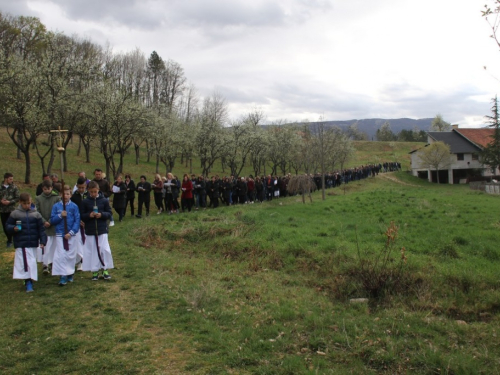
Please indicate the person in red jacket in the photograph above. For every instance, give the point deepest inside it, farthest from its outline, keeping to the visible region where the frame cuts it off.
(187, 193)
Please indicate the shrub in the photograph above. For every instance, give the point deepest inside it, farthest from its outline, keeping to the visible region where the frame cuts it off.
(382, 272)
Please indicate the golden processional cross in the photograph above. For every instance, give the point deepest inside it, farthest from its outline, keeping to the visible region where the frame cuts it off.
(59, 142)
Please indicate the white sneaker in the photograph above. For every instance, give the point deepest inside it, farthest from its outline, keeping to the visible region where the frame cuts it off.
(112, 223)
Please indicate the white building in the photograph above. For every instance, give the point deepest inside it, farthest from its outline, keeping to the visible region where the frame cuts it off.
(465, 146)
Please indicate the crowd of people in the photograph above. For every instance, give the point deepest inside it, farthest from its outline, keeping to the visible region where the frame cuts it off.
(66, 228)
(63, 228)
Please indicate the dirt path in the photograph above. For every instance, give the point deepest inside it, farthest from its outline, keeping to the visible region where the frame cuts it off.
(390, 177)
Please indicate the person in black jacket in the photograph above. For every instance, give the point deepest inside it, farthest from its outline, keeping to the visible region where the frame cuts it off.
(119, 191)
(200, 188)
(213, 191)
(95, 214)
(130, 195)
(259, 189)
(242, 190)
(227, 188)
(28, 230)
(144, 194)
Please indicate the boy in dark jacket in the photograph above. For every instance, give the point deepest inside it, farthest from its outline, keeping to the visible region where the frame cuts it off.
(28, 231)
(95, 214)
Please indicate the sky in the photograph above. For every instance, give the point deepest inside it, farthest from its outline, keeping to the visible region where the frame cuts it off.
(299, 60)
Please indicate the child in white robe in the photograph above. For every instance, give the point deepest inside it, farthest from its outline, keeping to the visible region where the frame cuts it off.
(66, 218)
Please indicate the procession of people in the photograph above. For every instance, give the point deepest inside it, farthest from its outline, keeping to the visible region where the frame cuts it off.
(66, 228)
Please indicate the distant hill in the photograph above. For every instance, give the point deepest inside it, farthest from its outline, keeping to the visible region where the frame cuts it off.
(370, 126)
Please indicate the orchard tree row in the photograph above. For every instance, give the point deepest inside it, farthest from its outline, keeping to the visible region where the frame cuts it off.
(125, 102)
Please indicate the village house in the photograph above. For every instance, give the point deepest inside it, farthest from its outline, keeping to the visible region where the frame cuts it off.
(465, 146)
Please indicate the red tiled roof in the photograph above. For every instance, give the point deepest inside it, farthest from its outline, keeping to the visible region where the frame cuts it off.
(479, 136)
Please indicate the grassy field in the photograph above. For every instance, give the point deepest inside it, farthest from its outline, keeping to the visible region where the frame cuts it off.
(269, 288)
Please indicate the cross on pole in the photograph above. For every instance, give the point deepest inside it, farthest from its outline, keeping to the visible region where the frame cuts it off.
(60, 148)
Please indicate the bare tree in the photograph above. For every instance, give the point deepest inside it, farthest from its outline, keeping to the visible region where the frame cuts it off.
(243, 139)
(282, 139)
(211, 139)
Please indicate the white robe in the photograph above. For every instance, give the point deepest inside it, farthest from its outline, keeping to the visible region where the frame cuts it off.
(19, 270)
(47, 255)
(91, 261)
(80, 245)
(64, 260)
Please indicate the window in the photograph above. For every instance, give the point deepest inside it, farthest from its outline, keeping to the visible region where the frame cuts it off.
(460, 156)
(475, 156)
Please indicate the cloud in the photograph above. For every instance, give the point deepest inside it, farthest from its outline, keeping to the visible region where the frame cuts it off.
(303, 58)
(214, 15)
(242, 96)
(130, 13)
(16, 8)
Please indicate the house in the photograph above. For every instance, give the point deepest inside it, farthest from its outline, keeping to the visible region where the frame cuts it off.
(465, 145)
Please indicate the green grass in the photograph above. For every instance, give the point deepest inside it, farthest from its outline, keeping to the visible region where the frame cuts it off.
(266, 289)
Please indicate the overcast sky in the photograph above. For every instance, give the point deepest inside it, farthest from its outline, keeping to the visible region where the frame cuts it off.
(302, 59)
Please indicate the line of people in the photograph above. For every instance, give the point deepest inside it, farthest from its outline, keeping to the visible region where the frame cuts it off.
(194, 192)
(60, 219)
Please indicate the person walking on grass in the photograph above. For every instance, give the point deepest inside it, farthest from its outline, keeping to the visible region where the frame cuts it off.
(130, 195)
(9, 198)
(66, 219)
(187, 193)
(119, 198)
(171, 194)
(144, 196)
(44, 203)
(200, 187)
(157, 187)
(95, 214)
(26, 226)
(104, 188)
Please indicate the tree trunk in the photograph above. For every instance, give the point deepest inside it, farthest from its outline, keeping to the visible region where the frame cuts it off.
(323, 186)
(148, 151)
(87, 152)
(20, 140)
(137, 153)
(79, 150)
(108, 167)
(120, 165)
(27, 157)
(51, 161)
